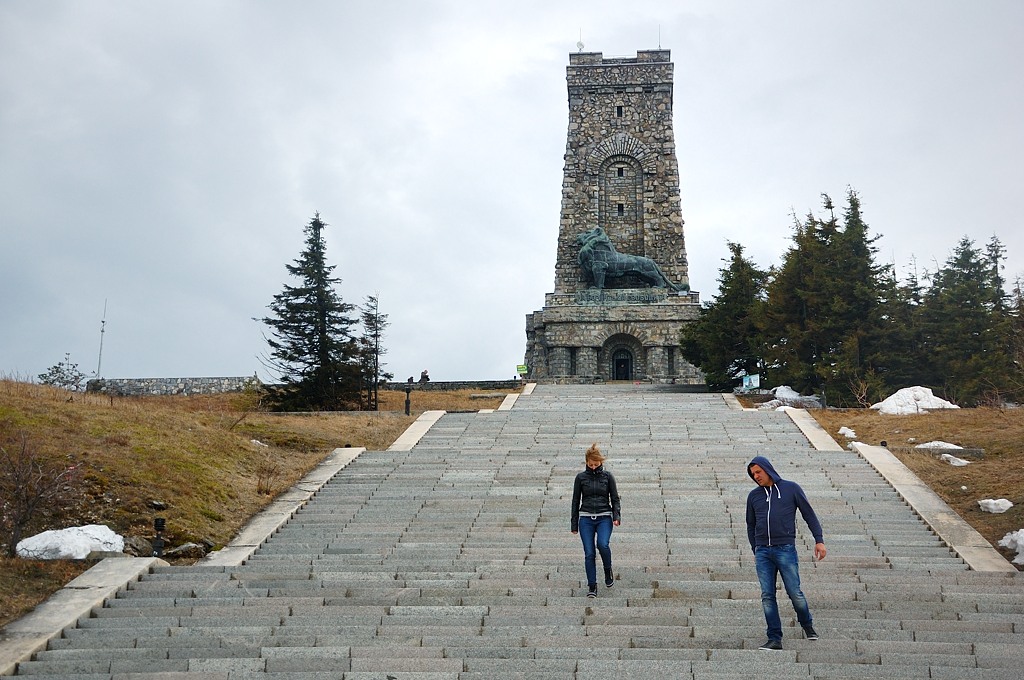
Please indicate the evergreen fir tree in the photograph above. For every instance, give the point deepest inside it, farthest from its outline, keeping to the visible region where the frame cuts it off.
(722, 342)
(820, 315)
(853, 322)
(896, 357)
(1015, 314)
(311, 342)
(966, 327)
(371, 349)
(788, 320)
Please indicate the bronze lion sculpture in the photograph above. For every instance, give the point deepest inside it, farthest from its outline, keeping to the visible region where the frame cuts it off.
(600, 261)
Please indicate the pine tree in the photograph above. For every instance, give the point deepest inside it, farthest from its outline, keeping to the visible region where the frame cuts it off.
(1015, 314)
(371, 349)
(311, 342)
(820, 316)
(853, 317)
(896, 357)
(722, 342)
(789, 320)
(966, 326)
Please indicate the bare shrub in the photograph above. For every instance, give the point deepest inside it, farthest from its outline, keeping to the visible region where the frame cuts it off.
(28, 484)
(268, 474)
(859, 389)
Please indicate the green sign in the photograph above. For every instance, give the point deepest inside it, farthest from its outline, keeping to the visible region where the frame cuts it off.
(521, 369)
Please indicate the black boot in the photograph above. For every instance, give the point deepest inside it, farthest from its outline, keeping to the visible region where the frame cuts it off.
(609, 578)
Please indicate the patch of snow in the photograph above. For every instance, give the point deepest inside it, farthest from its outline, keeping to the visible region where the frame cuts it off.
(73, 543)
(954, 461)
(257, 442)
(847, 432)
(911, 400)
(998, 506)
(787, 396)
(1015, 541)
(786, 393)
(937, 445)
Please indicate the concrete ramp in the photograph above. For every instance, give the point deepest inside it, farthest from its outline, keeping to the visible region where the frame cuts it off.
(453, 560)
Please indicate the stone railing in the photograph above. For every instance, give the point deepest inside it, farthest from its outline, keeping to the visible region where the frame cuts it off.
(448, 385)
(137, 387)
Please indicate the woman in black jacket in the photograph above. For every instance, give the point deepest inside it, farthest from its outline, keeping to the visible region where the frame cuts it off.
(595, 510)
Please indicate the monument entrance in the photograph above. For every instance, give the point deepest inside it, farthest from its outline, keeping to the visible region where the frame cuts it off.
(622, 291)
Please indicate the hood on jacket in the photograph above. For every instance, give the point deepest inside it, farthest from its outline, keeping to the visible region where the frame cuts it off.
(766, 466)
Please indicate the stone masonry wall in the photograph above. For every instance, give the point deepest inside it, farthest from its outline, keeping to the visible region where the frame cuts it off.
(140, 387)
(620, 174)
(621, 171)
(137, 387)
(449, 385)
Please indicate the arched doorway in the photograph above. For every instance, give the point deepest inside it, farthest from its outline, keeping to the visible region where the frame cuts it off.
(622, 365)
(622, 357)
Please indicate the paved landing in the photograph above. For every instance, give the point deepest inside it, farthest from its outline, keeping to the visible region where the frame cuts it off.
(453, 560)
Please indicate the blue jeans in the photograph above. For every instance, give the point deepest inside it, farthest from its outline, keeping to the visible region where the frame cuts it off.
(771, 561)
(601, 530)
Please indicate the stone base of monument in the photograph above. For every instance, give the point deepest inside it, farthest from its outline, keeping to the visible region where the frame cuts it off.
(624, 334)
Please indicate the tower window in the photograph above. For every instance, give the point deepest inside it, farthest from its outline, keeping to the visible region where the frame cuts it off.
(621, 209)
(618, 112)
(622, 172)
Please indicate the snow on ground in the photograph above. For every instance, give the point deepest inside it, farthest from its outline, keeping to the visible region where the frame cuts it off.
(847, 432)
(1015, 541)
(787, 397)
(937, 445)
(911, 400)
(954, 461)
(996, 506)
(74, 543)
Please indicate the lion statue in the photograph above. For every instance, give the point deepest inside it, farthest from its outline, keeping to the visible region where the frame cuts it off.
(600, 261)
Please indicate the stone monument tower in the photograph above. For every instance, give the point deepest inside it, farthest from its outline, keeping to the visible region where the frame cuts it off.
(621, 287)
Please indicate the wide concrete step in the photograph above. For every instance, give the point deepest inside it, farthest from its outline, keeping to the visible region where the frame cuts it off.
(454, 561)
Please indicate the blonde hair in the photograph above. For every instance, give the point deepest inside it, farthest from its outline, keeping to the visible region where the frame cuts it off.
(594, 454)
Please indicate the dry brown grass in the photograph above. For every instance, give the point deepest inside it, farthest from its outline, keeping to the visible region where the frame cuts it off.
(999, 432)
(26, 583)
(433, 400)
(196, 454)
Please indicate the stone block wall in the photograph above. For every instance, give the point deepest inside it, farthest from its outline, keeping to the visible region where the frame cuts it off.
(139, 387)
(620, 168)
(620, 174)
(450, 385)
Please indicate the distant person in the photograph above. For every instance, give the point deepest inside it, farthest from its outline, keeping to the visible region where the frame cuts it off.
(424, 376)
(595, 510)
(771, 529)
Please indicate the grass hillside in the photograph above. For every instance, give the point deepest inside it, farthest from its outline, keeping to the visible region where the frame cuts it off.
(213, 461)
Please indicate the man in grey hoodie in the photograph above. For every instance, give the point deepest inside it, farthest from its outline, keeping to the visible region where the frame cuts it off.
(771, 529)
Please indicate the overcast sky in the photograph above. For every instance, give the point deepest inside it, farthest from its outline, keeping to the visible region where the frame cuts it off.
(162, 158)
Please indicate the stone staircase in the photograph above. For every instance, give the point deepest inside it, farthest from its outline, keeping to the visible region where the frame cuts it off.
(454, 561)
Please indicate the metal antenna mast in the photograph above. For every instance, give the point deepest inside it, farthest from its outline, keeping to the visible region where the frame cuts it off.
(103, 328)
